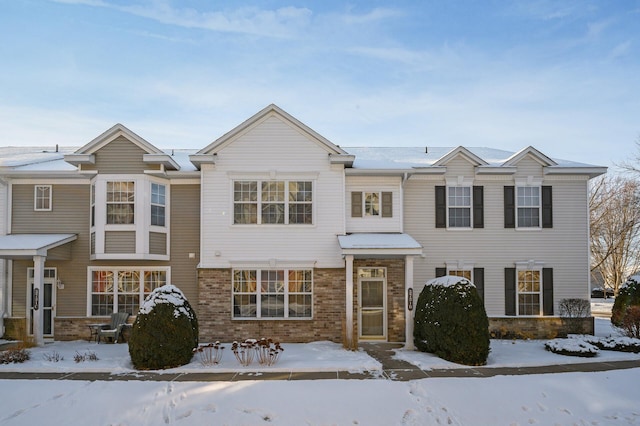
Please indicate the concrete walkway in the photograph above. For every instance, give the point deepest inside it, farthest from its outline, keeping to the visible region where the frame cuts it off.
(392, 369)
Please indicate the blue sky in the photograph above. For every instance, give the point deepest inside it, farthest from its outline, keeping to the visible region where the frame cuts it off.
(562, 76)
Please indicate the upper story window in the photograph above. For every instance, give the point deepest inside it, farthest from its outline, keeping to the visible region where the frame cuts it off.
(158, 204)
(273, 202)
(459, 206)
(42, 198)
(120, 202)
(371, 204)
(528, 206)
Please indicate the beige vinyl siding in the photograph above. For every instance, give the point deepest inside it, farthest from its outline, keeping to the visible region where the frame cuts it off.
(272, 150)
(120, 156)
(157, 243)
(459, 166)
(563, 247)
(185, 239)
(70, 214)
(120, 242)
(528, 166)
(374, 184)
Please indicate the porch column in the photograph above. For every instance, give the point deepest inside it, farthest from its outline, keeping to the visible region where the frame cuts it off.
(349, 299)
(38, 290)
(408, 315)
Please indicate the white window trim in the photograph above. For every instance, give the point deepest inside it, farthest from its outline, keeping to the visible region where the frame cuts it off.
(142, 216)
(470, 207)
(286, 293)
(460, 265)
(35, 198)
(259, 181)
(534, 182)
(534, 267)
(115, 270)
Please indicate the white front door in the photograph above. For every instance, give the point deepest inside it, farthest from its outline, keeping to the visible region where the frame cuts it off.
(48, 300)
(372, 310)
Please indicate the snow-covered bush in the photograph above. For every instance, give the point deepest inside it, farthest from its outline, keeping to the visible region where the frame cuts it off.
(571, 347)
(165, 331)
(612, 343)
(451, 321)
(628, 297)
(14, 355)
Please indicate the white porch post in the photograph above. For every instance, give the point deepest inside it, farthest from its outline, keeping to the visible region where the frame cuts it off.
(38, 317)
(408, 315)
(349, 298)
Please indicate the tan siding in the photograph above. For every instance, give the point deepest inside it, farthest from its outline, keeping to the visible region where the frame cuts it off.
(120, 242)
(185, 239)
(70, 214)
(120, 156)
(157, 243)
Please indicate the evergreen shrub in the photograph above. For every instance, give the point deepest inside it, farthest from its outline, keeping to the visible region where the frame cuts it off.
(451, 322)
(628, 296)
(165, 331)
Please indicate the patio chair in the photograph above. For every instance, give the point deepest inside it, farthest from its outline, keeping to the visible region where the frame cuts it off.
(118, 320)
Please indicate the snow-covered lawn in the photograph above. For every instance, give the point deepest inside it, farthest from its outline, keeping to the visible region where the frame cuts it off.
(568, 398)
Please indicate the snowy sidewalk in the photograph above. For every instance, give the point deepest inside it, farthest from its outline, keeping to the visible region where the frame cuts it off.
(392, 369)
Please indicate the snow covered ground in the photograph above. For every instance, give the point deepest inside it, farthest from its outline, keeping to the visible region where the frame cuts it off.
(607, 398)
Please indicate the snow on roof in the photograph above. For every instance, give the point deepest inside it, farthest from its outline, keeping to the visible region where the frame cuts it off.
(448, 280)
(378, 241)
(31, 241)
(415, 157)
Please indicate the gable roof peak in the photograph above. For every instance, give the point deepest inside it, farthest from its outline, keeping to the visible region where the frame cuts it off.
(530, 150)
(271, 109)
(462, 151)
(114, 132)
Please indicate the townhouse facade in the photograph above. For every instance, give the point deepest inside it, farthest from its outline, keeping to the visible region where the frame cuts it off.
(274, 231)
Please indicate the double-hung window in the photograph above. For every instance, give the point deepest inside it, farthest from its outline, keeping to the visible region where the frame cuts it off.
(278, 293)
(371, 204)
(529, 287)
(158, 203)
(273, 202)
(464, 273)
(120, 202)
(528, 206)
(122, 289)
(459, 206)
(42, 198)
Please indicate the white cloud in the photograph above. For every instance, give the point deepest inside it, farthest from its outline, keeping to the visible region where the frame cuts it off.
(281, 22)
(375, 15)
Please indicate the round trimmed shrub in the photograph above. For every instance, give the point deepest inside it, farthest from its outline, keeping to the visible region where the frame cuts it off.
(451, 322)
(165, 331)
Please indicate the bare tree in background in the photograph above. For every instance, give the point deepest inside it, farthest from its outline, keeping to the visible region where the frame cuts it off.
(634, 164)
(614, 206)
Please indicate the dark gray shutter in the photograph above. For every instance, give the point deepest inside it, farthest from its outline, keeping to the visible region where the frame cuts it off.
(478, 280)
(547, 207)
(510, 291)
(441, 272)
(387, 204)
(509, 207)
(441, 206)
(478, 207)
(547, 291)
(356, 204)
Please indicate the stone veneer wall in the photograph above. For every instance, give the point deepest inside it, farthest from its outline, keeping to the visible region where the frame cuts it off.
(216, 323)
(540, 327)
(395, 294)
